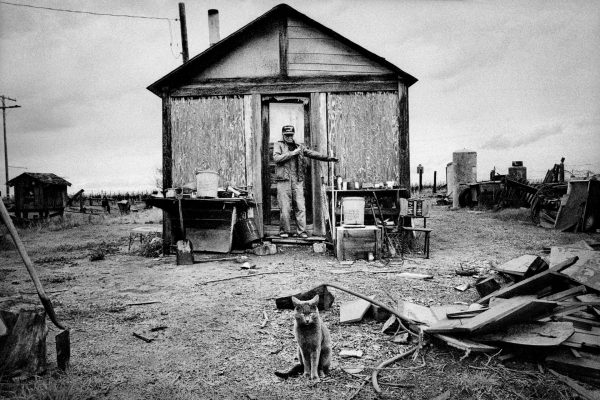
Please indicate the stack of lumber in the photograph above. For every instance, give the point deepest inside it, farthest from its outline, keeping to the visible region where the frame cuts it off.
(551, 311)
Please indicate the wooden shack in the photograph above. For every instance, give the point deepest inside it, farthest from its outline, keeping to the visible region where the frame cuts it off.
(224, 109)
(41, 193)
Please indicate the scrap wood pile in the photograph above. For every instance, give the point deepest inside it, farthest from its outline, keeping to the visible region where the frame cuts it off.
(550, 311)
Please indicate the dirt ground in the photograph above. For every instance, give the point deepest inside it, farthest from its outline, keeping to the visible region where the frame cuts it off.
(208, 342)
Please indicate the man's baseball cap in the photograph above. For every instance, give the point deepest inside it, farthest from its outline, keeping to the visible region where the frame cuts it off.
(288, 130)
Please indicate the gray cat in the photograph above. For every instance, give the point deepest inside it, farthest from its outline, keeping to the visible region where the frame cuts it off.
(314, 341)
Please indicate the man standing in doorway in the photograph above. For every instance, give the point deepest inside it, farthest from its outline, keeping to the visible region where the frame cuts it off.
(290, 165)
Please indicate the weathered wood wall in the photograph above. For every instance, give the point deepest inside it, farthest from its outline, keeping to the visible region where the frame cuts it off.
(364, 134)
(208, 133)
(313, 52)
(256, 56)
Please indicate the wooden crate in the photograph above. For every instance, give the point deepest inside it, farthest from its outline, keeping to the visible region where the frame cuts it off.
(356, 243)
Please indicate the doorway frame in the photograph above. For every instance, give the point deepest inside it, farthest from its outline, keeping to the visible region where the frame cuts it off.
(266, 100)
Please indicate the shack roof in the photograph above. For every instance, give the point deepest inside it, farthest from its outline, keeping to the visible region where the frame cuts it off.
(207, 57)
(47, 178)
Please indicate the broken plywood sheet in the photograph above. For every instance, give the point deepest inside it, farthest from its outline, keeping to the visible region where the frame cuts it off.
(415, 312)
(587, 268)
(512, 311)
(354, 311)
(572, 206)
(532, 334)
(520, 266)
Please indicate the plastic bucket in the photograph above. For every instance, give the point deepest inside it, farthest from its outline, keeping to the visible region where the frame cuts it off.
(353, 211)
(207, 183)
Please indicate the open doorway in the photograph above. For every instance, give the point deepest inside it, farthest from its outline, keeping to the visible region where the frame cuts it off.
(278, 111)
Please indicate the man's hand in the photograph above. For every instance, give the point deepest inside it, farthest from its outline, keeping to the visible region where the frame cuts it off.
(297, 151)
(333, 159)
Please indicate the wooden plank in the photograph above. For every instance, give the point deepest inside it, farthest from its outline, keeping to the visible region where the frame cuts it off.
(354, 311)
(585, 339)
(573, 384)
(586, 365)
(376, 83)
(512, 311)
(566, 294)
(532, 284)
(532, 334)
(283, 46)
(518, 266)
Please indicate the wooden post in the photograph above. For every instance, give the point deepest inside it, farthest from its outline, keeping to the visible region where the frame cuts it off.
(184, 39)
(167, 166)
(257, 154)
(404, 156)
(434, 181)
(318, 134)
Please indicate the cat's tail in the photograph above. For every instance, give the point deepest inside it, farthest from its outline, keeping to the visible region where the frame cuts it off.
(296, 370)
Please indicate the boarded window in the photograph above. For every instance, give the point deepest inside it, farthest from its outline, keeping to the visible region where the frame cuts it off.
(363, 131)
(208, 133)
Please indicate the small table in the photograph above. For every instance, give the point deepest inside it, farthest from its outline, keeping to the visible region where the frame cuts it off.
(378, 194)
(208, 222)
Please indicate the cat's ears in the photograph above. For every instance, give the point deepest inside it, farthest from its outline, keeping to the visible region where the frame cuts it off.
(312, 302)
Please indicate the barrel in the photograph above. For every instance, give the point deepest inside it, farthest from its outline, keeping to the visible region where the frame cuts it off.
(353, 211)
(207, 183)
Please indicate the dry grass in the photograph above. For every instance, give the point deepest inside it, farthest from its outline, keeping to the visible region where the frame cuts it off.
(213, 346)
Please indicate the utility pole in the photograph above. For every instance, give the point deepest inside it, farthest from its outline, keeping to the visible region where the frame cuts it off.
(4, 107)
(184, 39)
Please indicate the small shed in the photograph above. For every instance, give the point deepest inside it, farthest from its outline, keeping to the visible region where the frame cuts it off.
(223, 110)
(42, 193)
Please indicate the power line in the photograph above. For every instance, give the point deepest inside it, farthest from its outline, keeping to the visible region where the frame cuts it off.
(86, 12)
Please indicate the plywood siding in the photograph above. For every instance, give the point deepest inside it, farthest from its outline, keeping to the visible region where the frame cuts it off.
(208, 133)
(363, 132)
(312, 52)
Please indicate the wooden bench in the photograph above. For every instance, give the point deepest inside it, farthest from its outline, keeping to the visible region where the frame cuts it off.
(426, 231)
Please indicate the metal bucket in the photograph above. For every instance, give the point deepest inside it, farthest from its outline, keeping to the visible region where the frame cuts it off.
(207, 183)
(247, 232)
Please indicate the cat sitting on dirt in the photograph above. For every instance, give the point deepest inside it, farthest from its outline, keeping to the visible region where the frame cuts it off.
(314, 341)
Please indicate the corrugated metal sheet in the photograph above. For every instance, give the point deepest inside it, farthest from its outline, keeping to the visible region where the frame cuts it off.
(364, 134)
(208, 133)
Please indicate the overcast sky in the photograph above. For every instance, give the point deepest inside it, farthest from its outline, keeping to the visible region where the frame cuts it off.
(511, 80)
